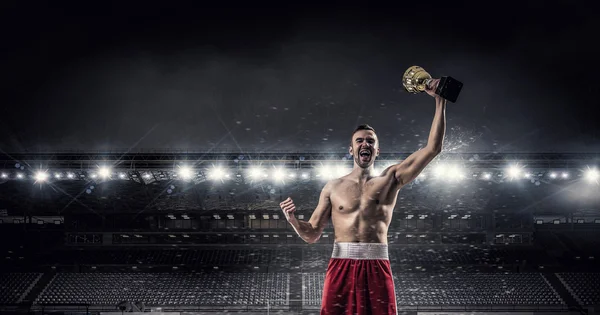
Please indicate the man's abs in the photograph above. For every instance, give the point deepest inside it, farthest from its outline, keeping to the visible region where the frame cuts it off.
(356, 230)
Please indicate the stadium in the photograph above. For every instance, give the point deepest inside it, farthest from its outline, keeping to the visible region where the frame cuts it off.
(202, 233)
(297, 158)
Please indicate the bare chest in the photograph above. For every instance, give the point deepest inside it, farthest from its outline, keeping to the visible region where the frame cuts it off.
(350, 197)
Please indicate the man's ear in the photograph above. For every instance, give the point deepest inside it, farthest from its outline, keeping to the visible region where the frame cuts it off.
(350, 150)
(377, 151)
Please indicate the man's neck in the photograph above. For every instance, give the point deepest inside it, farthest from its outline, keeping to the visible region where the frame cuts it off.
(362, 174)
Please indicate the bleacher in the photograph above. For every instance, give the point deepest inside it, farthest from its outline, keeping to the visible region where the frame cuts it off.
(246, 278)
(474, 289)
(249, 289)
(312, 289)
(14, 286)
(585, 287)
(189, 257)
(169, 289)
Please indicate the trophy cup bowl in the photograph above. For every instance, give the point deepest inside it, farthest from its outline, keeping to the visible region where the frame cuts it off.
(415, 80)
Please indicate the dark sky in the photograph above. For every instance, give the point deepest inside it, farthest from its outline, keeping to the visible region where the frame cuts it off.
(77, 75)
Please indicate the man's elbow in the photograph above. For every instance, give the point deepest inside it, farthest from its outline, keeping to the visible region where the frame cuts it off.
(435, 149)
(312, 240)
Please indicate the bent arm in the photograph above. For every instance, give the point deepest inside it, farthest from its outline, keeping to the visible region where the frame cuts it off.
(410, 168)
(311, 231)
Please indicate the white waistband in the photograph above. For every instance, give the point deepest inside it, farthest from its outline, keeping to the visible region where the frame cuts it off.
(360, 251)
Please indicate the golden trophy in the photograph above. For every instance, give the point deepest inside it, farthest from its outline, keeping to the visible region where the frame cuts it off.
(416, 79)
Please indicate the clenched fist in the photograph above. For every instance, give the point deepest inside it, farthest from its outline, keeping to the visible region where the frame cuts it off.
(432, 86)
(288, 208)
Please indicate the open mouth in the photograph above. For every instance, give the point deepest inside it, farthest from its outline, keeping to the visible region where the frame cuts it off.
(365, 155)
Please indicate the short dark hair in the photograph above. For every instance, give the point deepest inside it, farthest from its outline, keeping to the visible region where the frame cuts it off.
(363, 127)
(359, 128)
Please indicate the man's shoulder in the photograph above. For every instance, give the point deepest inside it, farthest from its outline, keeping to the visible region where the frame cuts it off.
(335, 183)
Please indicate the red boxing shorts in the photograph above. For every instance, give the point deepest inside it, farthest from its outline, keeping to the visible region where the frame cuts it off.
(359, 281)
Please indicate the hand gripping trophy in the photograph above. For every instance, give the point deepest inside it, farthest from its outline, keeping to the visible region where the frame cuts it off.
(415, 80)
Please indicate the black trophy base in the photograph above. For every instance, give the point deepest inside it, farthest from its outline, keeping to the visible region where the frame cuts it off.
(449, 88)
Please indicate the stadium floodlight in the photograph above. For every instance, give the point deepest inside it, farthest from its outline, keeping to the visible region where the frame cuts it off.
(514, 171)
(448, 172)
(325, 172)
(304, 175)
(378, 170)
(341, 170)
(57, 175)
(41, 176)
(553, 175)
(486, 176)
(4, 175)
(255, 173)
(592, 175)
(564, 175)
(20, 176)
(439, 170)
(217, 173)
(122, 175)
(185, 172)
(456, 173)
(70, 175)
(278, 174)
(104, 172)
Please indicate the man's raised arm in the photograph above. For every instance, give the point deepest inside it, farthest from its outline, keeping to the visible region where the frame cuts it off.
(310, 231)
(410, 168)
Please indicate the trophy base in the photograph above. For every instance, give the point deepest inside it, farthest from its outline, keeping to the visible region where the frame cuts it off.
(449, 88)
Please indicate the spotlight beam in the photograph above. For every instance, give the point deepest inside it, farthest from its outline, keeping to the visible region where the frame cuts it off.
(74, 199)
(548, 196)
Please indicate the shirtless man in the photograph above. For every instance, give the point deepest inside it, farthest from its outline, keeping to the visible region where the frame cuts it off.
(359, 278)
